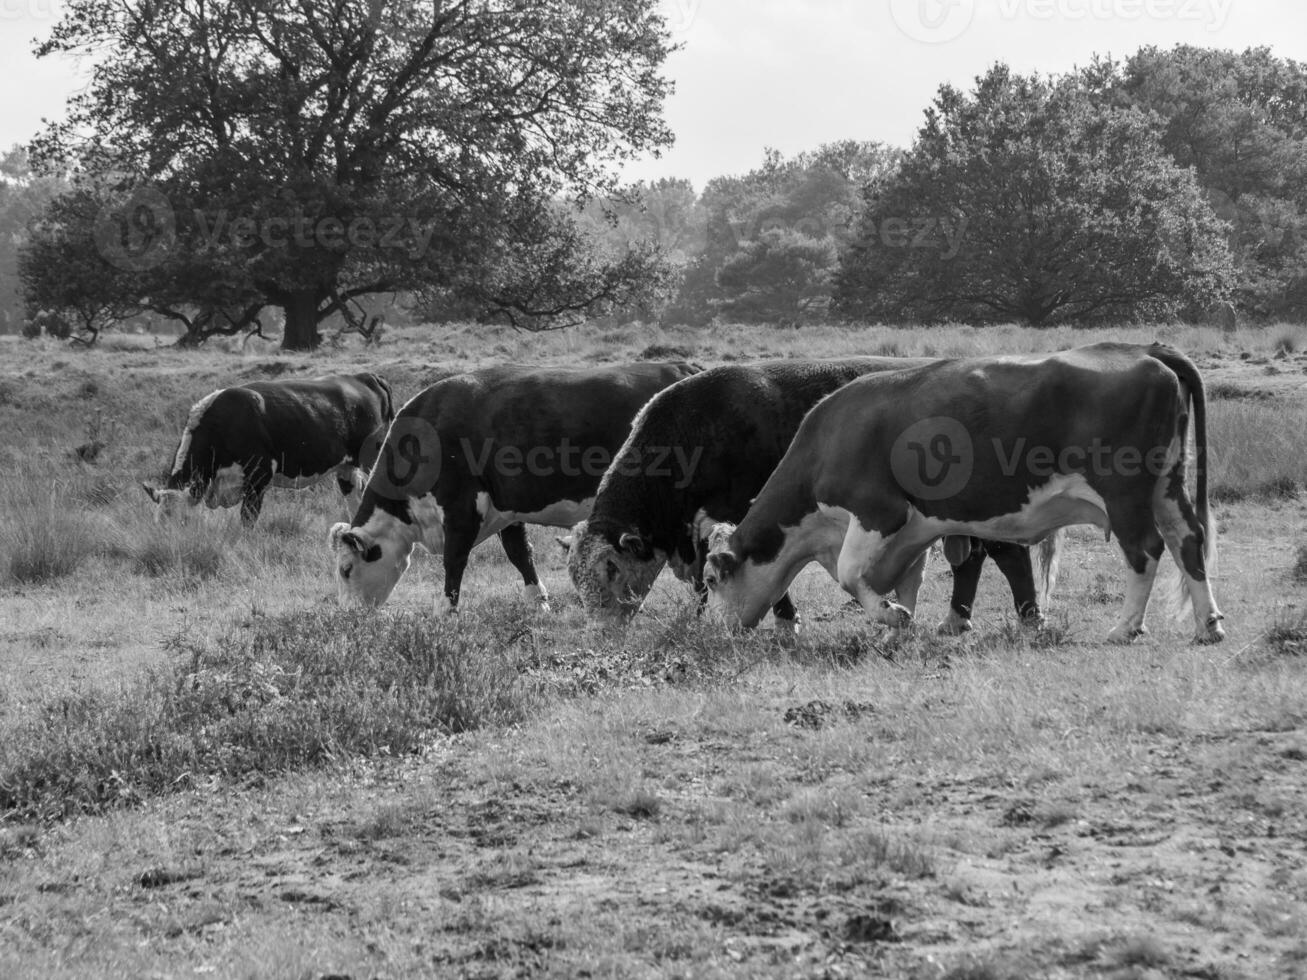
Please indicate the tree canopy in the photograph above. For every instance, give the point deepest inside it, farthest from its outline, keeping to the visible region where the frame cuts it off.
(307, 154)
(1029, 199)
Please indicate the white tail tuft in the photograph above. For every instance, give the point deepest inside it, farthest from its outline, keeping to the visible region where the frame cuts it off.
(1047, 559)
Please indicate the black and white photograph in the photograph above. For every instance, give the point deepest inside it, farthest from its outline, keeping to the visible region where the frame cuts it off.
(672, 489)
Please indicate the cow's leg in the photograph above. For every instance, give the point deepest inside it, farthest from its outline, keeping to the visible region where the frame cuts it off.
(518, 549)
(787, 617)
(1141, 543)
(350, 490)
(1186, 538)
(909, 586)
(253, 486)
(461, 524)
(859, 571)
(966, 580)
(1013, 560)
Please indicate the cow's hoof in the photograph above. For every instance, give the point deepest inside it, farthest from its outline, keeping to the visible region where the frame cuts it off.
(787, 631)
(1213, 632)
(1124, 635)
(895, 616)
(1034, 621)
(954, 625)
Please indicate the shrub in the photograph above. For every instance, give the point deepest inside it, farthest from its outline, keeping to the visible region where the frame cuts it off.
(293, 691)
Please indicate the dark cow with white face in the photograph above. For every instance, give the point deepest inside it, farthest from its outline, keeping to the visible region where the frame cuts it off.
(481, 454)
(239, 441)
(731, 425)
(1007, 448)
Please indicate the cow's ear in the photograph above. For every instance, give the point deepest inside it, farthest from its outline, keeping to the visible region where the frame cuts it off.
(152, 492)
(336, 533)
(634, 545)
(355, 541)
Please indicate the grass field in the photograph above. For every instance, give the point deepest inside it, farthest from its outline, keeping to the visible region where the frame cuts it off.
(208, 769)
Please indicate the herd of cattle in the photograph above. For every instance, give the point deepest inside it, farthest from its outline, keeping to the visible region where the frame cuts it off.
(738, 476)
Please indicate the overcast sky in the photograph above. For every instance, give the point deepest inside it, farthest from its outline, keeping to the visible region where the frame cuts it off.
(797, 73)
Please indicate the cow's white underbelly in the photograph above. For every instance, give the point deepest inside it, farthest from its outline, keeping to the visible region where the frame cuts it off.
(1063, 500)
(563, 513)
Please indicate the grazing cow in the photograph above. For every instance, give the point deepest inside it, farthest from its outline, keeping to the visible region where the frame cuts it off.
(1008, 448)
(239, 441)
(731, 425)
(482, 453)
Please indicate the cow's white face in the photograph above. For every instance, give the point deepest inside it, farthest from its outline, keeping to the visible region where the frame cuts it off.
(167, 503)
(226, 488)
(612, 582)
(726, 577)
(368, 564)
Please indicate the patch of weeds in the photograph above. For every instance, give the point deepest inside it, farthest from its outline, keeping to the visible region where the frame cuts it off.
(1104, 590)
(1012, 634)
(817, 713)
(1286, 343)
(989, 968)
(286, 524)
(1140, 951)
(1228, 391)
(640, 803)
(1287, 637)
(289, 692)
(1299, 570)
(168, 552)
(45, 545)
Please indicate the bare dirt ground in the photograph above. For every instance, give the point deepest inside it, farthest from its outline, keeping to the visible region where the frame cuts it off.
(999, 807)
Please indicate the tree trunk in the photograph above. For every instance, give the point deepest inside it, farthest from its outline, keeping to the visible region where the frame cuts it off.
(301, 331)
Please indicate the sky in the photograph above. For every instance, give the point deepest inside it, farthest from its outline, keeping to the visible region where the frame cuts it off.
(793, 74)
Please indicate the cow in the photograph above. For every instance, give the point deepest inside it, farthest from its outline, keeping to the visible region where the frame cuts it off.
(239, 441)
(732, 425)
(484, 453)
(1004, 448)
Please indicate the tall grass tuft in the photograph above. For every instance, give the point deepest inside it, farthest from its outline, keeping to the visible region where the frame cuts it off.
(1255, 450)
(299, 690)
(43, 537)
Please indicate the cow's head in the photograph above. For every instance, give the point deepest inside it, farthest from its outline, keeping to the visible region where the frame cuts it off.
(727, 597)
(167, 503)
(611, 577)
(368, 565)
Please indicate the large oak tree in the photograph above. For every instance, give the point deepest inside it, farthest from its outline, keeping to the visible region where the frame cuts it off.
(299, 153)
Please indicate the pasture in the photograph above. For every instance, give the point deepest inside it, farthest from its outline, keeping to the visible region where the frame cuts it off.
(208, 769)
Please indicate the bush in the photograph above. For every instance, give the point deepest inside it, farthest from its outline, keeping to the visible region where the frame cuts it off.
(293, 691)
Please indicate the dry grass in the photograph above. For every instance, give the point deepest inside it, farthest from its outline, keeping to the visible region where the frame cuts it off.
(630, 804)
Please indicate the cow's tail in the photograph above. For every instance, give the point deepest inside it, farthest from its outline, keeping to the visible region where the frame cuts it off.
(1047, 559)
(1187, 372)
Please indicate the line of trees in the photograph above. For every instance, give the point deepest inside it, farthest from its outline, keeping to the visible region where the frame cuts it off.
(462, 154)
